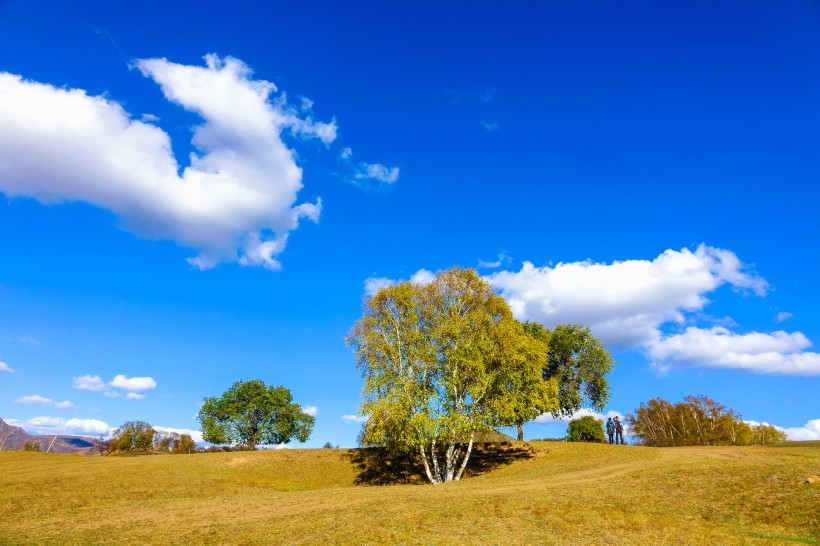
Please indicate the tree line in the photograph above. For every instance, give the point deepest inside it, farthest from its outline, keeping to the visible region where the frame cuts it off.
(696, 421)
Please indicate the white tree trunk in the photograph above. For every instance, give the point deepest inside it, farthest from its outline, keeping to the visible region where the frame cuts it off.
(466, 456)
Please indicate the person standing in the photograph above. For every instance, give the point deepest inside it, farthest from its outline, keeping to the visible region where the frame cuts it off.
(610, 431)
(619, 431)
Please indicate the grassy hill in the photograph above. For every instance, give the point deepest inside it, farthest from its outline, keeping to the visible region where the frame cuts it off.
(551, 493)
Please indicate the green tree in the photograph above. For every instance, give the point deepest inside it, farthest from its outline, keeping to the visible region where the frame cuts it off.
(585, 429)
(579, 363)
(252, 413)
(32, 446)
(133, 435)
(441, 362)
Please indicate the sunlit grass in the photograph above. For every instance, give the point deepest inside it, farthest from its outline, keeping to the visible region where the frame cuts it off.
(566, 494)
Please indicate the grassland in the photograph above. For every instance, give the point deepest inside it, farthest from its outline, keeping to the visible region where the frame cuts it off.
(557, 494)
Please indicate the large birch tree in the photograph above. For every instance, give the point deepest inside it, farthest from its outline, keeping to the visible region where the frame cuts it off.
(442, 361)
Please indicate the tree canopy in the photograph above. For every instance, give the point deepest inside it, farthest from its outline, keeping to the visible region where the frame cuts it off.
(252, 413)
(578, 362)
(442, 361)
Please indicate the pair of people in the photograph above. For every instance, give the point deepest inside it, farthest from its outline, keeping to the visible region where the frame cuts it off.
(615, 431)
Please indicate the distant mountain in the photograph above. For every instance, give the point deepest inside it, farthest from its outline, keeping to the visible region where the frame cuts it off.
(14, 438)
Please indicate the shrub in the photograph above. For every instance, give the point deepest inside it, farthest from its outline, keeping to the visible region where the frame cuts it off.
(585, 429)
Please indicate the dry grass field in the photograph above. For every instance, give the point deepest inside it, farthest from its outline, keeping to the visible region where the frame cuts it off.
(553, 493)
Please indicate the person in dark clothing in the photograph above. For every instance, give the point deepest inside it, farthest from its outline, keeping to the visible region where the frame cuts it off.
(610, 430)
(619, 431)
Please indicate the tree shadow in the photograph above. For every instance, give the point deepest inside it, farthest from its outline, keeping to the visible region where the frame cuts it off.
(380, 466)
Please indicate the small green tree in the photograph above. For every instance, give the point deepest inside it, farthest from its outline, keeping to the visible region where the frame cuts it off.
(252, 413)
(586, 429)
(32, 446)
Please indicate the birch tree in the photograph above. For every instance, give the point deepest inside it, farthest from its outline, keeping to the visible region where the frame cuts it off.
(441, 362)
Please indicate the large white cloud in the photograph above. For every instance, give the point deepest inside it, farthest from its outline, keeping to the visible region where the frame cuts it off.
(236, 201)
(646, 304)
(776, 352)
(623, 302)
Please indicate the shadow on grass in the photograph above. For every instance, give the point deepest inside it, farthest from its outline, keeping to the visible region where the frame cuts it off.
(379, 466)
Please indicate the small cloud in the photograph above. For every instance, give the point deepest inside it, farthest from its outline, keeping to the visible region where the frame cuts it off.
(5, 367)
(782, 316)
(345, 154)
(311, 410)
(134, 396)
(149, 118)
(353, 419)
(65, 404)
(307, 104)
(376, 171)
(89, 383)
(34, 399)
(374, 284)
(488, 95)
(111, 394)
(133, 384)
(490, 126)
(502, 259)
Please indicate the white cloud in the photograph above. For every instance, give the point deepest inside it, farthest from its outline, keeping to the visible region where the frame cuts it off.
(311, 410)
(776, 352)
(236, 201)
(37, 399)
(5, 367)
(353, 419)
(132, 384)
(490, 126)
(782, 316)
(134, 396)
(89, 383)
(546, 418)
(374, 284)
(376, 171)
(196, 435)
(501, 259)
(87, 426)
(58, 425)
(34, 399)
(624, 302)
(810, 431)
(346, 153)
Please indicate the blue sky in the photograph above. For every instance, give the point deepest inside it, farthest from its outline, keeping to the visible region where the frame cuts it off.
(194, 193)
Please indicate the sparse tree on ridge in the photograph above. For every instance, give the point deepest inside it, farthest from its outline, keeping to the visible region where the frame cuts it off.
(441, 362)
(133, 435)
(578, 362)
(252, 413)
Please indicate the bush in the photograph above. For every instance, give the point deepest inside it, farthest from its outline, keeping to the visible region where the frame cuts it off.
(585, 429)
(32, 446)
